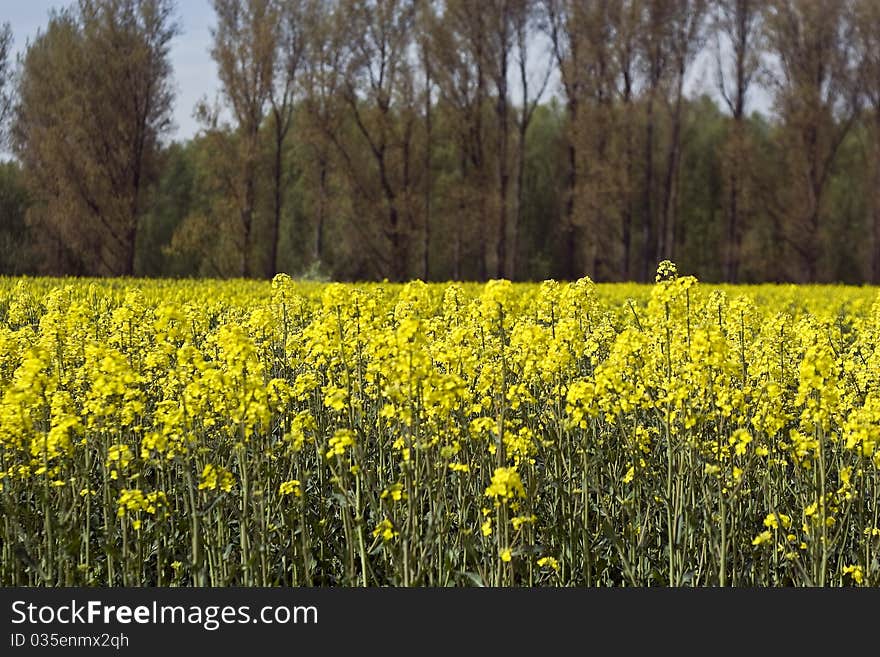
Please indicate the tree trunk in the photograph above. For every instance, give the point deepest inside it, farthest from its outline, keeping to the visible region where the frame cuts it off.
(731, 273)
(459, 218)
(322, 210)
(398, 261)
(134, 207)
(456, 247)
(277, 199)
(627, 209)
(131, 230)
(875, 252)
(648, 247)
(569, 228)
(503, 184)
(248, 203)
(131, 238)
(777, 250)
(456, 253)
(733, 236)
(812, 251)
(398, 239)
(666, 234)
(477, 154)
(517, 215)
(600, 229)
(734, 227)
(426, 233)
(247, 216)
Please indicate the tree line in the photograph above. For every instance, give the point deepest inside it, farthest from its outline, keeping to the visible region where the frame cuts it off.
(450, 139)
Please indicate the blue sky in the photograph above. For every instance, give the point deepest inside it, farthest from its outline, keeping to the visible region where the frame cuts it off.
(194, 71)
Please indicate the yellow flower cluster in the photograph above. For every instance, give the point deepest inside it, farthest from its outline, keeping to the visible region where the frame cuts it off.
(133, 501)
(215, 476)
(506, 484)
(261, 433)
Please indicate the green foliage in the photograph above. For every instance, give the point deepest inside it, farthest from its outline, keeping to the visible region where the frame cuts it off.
(14, 237)
(414, 173)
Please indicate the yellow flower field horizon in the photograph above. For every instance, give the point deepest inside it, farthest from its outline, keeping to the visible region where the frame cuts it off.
(256, 433)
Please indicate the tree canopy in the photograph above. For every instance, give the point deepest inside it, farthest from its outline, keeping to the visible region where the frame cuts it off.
(451, 139)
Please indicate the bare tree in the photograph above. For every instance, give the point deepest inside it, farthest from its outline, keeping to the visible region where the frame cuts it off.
(583, 37)
(564, 26)
(322, 78)
(245, 47)
(817, 99)
(378, 89)
(654, 46)
(291, 50)
(500, 33)
(5, 79)
(426, 20)
(95, 99)
(625, 19)
(526, 20)
(686, 34)
(737, 26)
(867, 22)
(601, 166)
(459, 44)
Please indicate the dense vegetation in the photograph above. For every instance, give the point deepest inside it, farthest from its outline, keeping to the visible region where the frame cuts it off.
(521, 139)
(186, 433)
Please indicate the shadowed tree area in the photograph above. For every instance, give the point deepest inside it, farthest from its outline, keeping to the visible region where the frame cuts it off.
(94, 98)
(454, 139)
